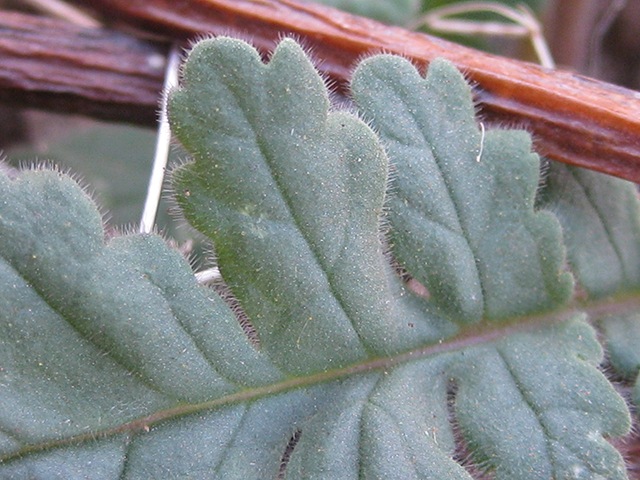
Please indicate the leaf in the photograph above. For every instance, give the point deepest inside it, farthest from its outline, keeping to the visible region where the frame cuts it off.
(601, 226)
(94, 337)
(291, 196)
(622, 338)
(600, 216)
(524, 414)
(556, 410)
(259, 191)
(464, 228)
(70, 280)
(398, 12)
(117, 365)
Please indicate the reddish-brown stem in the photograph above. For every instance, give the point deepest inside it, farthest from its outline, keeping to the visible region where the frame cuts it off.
(573, 119)
(52, 64)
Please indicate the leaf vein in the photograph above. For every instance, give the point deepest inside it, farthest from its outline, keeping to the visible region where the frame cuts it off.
(317, 257)
(605, 225)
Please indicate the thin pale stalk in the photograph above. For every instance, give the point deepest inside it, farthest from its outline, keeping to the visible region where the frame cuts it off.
(163, 143)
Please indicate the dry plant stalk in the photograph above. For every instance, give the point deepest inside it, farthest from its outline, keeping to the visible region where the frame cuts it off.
(573, 119)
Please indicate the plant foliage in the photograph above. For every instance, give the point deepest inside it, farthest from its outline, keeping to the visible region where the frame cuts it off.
(398, 12)
(115, 363)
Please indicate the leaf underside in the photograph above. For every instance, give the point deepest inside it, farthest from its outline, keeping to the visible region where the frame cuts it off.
(461, 213)
(291, 196)
(115, 364)
(601, 228)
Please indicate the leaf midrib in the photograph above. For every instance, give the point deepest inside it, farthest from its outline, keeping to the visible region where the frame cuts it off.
(470, 337)
(603, 224)
(463, 233)
(268, 161)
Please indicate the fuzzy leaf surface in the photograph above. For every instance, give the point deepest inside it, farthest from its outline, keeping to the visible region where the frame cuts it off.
(291, 196)
(271, 189)
(532, 406)
(463, 226)
(95, 336)
(600, 216)
(117, 365)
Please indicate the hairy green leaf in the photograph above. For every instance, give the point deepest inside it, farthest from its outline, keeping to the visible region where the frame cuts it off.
(291, 195)
(601, 226)
(461, 207)
(621, 334)
(530, 407)
(281, 190)
(600, 216)
(115, 364)
(94, 336)
(542, 388)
